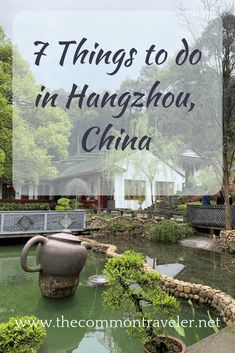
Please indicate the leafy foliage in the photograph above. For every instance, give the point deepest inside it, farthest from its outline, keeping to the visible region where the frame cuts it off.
(121, 227)
(212, 35)
(63, 204)
(40, 136)
(27, 338)
(6, 106)
(183, 206)
(170, 231)
(131, 287)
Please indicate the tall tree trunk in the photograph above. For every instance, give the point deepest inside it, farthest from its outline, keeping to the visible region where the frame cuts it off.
(225, 188)
(151, 188)
(226, 115)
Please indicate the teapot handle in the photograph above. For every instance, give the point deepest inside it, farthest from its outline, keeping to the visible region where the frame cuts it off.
(24, 253)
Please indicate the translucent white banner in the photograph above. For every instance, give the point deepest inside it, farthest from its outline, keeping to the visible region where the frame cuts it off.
(120, 104)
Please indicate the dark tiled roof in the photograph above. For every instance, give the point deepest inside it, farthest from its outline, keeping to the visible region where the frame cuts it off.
(81, 166)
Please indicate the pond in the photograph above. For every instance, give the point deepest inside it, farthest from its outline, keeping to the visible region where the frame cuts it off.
(20, 295)
(194, 265)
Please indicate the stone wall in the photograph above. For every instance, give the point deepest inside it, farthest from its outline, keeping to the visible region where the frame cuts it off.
(227, 240)
(119, 226)
(222, 302)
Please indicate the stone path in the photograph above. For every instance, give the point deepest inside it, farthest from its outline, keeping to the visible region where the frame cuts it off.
(223, 342)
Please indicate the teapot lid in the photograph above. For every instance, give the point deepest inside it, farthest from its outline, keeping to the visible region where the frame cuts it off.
(66, 235)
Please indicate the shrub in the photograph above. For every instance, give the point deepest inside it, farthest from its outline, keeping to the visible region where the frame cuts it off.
(25, 338)
(170, 231)
(183, 206)
(117, 227)
(121, 227)
(63, 204)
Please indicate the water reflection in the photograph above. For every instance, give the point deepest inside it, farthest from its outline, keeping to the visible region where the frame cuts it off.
(201, 266)
(166, 269)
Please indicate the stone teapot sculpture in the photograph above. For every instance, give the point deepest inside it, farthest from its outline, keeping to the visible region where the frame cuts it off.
(60, 259)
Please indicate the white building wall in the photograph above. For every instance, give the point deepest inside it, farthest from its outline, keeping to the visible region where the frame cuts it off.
(164, 173)
(18, 189)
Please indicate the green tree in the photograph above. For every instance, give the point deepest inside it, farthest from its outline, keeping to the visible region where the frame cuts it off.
(49, 127)
(228, 107)
(5, 106)
(77, 187)
(129, 288)
(212, 35)
(40, 136)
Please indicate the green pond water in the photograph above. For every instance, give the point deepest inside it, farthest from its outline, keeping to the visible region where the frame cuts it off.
(200, 266)
(20, 295)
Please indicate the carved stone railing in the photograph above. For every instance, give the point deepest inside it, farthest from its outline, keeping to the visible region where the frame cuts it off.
(29, 222)
(208, 215)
